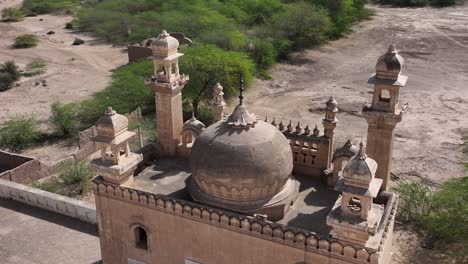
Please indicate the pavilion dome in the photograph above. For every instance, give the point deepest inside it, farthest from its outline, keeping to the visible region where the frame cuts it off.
(360, 169)
(111, 124)
(165, 45)
(241, 159)
(390, 64)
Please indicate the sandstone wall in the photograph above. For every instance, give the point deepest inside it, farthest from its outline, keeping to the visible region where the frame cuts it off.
(179, 231)
(48, 201)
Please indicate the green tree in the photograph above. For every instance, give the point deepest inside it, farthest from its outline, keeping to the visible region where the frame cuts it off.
(207, 65)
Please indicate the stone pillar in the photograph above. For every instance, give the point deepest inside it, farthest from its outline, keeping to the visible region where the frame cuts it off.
(167, 87)
(169, 121)
(329, 124)
(218, 103)
(384, 113)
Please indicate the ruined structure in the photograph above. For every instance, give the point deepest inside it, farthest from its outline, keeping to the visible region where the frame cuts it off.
(243, 190)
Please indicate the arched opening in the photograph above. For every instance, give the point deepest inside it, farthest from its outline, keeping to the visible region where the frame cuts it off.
(384, 96)
(141, 238)
(354, 205)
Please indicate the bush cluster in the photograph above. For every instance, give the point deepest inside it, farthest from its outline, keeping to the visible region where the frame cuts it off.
(12, 15)
(48, 6)
(419, 2)
(25, 41)
(75, 181)
(36, 67)
(266, 30)
(19, 133)
(442, 214)
(8, 75)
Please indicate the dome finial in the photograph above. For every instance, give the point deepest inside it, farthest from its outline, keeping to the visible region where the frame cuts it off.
(110, 111)
(392, 48)
(362, 152)
(241, 89)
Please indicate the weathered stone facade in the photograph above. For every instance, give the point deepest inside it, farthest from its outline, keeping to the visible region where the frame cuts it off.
(241, 201)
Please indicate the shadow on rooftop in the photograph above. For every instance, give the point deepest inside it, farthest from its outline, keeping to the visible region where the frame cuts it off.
(42, 214)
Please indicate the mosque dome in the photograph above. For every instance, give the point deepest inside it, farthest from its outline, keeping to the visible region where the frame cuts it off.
(111, 124)
(165, 45)
(360, 169)
(241, 159)
(390, 64)
(193, 124)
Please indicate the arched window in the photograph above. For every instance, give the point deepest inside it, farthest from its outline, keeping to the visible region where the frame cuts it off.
(385, 96)
(354, 205)
(141, 238)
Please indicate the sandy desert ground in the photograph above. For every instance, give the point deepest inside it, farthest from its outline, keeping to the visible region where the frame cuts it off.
(73, 72)
(434, 43)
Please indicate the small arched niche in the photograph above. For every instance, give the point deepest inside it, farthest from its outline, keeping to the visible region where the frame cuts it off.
(140, 237)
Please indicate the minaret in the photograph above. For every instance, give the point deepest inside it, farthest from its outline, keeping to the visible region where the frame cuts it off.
(218, 103)
(117, 163)
(167, 83)
(355, 217)
(330, 122)
(385, 111)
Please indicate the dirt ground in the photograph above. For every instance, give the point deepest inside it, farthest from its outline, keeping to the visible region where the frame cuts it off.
(73, 73)
(434, 43)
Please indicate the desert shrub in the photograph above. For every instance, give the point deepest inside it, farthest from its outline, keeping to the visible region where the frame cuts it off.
(64, 118)
(35, 67)
(416, 201)
(12, 15)
(6, 81)
(8, 75)
(52, 185)
(49, 6)
(10, 68)
(25, 41)
(19, 133)
(419, 2)
(448, 218)
(77, 178)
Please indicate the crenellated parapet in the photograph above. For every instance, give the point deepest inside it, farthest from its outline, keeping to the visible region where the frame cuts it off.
(253, 226)
(311, 147)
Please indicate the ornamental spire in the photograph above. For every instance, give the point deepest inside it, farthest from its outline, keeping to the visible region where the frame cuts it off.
(362, 152)
(241, 118)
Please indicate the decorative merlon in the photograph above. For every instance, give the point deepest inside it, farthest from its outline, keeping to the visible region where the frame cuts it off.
(278, 233)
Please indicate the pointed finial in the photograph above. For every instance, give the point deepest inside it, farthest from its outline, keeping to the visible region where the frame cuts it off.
(290, 126)
(273, 123)
(362, 152)
(164, 33)
(307, 130)
(241, 89)
(392, 48)
(281, 126)
(110, 111)
(298, 127)
(348, 143)
(316, 131)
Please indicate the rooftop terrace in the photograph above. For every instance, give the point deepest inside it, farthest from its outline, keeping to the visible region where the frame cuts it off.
(167, 177)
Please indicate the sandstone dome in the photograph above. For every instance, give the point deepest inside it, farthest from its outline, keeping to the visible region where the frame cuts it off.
(241, 159)
(390, 64)
(111, 124)
(165, 45)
